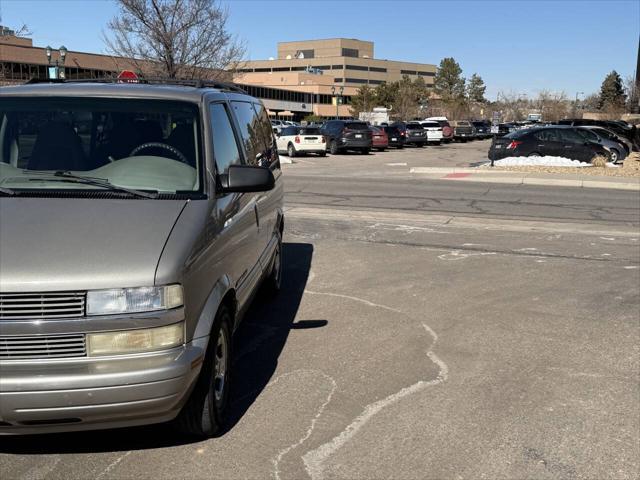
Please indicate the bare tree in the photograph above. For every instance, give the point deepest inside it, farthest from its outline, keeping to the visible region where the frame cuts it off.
(175, 38)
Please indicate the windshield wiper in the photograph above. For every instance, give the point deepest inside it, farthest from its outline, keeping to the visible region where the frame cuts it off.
(67, 176)
(7, 191)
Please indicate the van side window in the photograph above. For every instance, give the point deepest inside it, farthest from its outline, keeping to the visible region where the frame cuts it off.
(266, 134)
(225, 148)
(249, 125)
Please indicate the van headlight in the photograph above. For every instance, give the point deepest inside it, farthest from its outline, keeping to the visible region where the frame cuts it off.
(132, 300)
(135, 341)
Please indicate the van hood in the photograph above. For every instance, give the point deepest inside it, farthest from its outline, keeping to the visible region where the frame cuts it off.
(54, 244)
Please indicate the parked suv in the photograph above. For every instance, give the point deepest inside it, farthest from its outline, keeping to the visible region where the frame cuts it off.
(347, 135)
(413, 133)
(130, 252)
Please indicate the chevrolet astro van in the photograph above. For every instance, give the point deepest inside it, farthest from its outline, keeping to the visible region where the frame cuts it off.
(136, 223)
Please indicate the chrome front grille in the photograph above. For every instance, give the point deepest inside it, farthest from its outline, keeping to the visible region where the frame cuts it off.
(42, 346)
(17, 306)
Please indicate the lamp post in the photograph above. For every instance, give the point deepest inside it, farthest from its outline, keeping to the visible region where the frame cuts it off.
(338, 98)
(56, 67)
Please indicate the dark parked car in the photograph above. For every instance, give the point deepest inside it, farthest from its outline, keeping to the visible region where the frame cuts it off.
(395, 136)
(557, 141)
(344, 135)
(413, 132)
(483, 129)
(619, 127)
(505, 129)
(379, 139)
(128, 261)
(463, 131)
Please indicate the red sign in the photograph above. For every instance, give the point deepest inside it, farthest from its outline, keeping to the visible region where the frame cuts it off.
(127, 76)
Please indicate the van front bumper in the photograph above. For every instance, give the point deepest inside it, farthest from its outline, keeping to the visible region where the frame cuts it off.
(43, 396)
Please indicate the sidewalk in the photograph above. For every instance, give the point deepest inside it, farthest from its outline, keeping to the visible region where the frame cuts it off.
(527, 178)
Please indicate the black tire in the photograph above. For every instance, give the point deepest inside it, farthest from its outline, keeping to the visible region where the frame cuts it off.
(365, 151)
(614, 156)
(322, 154)
(534, 154)
(400, 147)
(291, 151)
(439, 143)
(419, 145)
(204, 414)
(273, 281)
(380, 149)
(333, 148)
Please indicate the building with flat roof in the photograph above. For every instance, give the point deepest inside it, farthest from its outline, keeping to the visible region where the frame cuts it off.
(314, 66)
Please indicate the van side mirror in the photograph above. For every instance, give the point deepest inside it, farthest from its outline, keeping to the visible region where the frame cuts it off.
(247, 178)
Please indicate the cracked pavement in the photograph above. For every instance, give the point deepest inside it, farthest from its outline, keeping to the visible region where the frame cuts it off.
(426, 330)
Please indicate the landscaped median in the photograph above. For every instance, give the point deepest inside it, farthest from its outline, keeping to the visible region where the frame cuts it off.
(625, 177)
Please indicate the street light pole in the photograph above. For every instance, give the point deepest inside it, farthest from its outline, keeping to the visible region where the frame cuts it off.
(338, 99)
(58, 64)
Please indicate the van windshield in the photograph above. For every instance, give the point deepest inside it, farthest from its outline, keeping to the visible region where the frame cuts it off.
(146, 145)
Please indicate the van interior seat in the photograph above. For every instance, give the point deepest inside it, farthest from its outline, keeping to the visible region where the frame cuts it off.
(57, 147)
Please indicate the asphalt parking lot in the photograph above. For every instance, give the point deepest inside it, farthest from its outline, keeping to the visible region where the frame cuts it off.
(426, 330)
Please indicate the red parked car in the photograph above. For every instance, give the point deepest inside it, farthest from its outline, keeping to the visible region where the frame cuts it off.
(380, 139)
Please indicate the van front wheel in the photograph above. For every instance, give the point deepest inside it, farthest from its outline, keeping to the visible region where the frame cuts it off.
(205, 412)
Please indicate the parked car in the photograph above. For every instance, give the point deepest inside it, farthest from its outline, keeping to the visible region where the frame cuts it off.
(342, 135)
(413, 132)
(301, 140)
(394, 136)
(447, 129)
(379, 138)
(557, 141)
(463, 131)
(505, 129)
(483, 129)
(277, 125)
(617, 150)
(619, 127)
(127, 265)
(608, 134)
(434, 131)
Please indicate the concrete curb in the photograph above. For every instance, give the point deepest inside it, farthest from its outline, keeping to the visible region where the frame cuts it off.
(516, 178)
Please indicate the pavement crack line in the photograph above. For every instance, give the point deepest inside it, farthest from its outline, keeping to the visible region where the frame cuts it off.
(113, 464)
(314, 420)
(314, 459)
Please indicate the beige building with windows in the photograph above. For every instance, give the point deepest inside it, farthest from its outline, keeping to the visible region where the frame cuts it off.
(315, 66)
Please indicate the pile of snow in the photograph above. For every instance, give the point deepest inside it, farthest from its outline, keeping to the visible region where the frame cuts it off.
(547, 161)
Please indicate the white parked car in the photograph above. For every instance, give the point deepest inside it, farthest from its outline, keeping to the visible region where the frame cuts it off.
(434, 131)
(294, 141)
(277, 125)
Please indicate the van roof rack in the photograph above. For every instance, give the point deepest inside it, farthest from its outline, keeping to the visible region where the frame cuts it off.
(195, 83)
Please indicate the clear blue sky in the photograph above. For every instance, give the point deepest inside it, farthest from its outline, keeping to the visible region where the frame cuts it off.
(519, 46)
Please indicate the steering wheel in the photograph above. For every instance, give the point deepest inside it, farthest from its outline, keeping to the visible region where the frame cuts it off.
(166, 146)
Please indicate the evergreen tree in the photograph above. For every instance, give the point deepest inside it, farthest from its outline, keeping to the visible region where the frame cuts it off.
(363, 101)
(612, 92)
(476, 89)
(449, 84)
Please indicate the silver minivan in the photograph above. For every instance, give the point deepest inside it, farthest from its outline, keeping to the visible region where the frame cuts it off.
(137, 221)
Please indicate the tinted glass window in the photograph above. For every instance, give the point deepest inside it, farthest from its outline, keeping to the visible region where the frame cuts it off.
(588, 134)
(357, 126)
(547, 135)
(392, 130)
(249, 131)
(431, 124)
(414, 126)
(225, 148)
(571, 136)
(309, 131)
(265, 131)
(289, 131)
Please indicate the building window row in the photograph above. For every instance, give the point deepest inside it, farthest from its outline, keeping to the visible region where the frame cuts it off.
(24, 71)
(350, 52)
(357, 67)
